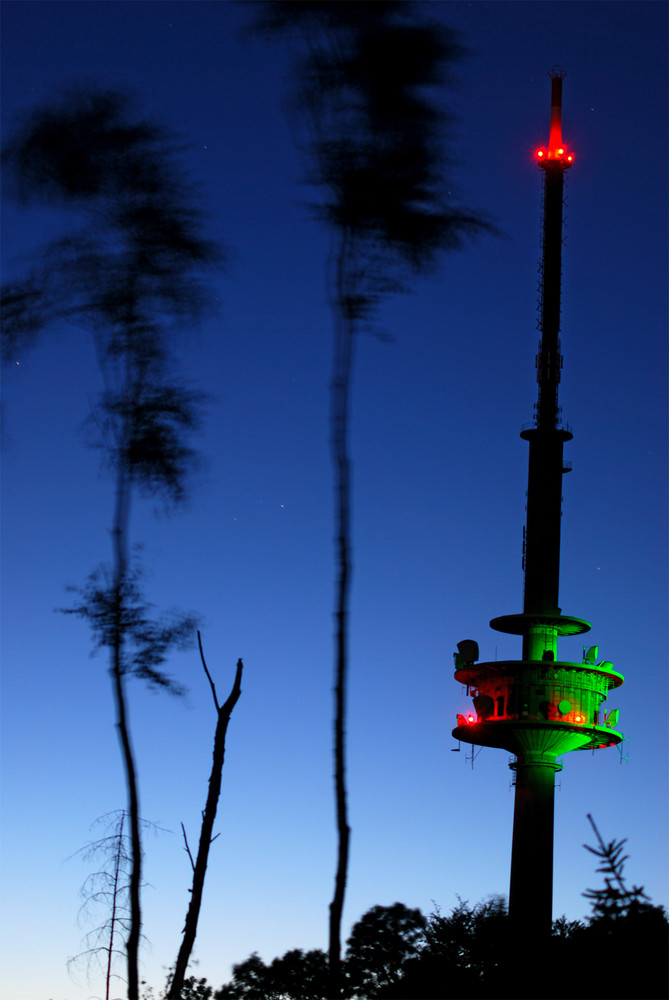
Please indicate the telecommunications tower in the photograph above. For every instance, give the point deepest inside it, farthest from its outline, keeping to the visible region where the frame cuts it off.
(541, 706)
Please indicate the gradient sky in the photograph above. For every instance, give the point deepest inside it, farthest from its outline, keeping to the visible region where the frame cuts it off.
(439, 484)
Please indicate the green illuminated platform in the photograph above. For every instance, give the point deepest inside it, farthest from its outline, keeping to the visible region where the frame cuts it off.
(539, 707)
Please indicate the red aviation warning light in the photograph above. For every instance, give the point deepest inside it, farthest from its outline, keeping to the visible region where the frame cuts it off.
(550, 157)
(556, 153)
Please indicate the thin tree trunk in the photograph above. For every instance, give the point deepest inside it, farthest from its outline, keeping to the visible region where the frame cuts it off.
(208, 817)
(112, 923)
(132, 943)
(340, 390)
(120, 570)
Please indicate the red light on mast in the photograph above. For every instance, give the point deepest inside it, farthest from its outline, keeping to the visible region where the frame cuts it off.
(555, 152)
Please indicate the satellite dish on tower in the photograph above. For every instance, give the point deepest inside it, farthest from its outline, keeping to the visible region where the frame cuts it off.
(469, 650)
(591, 655)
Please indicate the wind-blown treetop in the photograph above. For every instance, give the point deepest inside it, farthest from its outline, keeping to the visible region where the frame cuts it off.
(137, 262)
(367, 87)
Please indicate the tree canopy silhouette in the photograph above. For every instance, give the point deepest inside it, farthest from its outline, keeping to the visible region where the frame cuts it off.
(396, 952)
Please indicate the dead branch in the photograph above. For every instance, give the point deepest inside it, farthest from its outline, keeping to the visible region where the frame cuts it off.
(192, 863)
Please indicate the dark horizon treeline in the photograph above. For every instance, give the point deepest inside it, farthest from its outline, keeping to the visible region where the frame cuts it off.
(621, 952)
(396, 953)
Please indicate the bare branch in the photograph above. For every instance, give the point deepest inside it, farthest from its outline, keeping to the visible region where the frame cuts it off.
(187, 848)
(204, 664)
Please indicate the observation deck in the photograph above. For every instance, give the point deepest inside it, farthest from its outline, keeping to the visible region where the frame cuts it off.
(544, 707)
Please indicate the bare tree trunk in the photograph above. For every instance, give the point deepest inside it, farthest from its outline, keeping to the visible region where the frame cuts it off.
(112, 921)
(132, 943)
(339, 416)
(120, 570)
(208, 817)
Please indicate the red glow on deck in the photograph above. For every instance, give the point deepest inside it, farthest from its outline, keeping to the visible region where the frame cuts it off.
(557, 154)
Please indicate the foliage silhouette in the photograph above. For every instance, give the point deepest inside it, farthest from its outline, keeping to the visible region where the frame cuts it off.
(250, 981)
(615, 900)
(147, 640)
(365, 82)
(381, 942)
(196, 989)
(132, 275)
(462, 954)
(191, 988)
(396, 952)
(297, 975)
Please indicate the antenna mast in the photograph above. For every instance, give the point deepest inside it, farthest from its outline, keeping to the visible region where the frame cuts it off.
(547, 436)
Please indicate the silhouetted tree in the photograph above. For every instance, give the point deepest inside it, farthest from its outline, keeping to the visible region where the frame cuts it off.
(625, 946)
(365, 89)
(105, 895)
(106, 888)
(380, 942)
(223, 713)
(132, 276)
(299, 975)
(462, 954)
(249, 981)
(379, 945)
(615, 900)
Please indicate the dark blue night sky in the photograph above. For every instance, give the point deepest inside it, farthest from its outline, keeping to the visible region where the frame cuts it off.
(439, 482)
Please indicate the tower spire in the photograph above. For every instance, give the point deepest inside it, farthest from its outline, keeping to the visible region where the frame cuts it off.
(557, 75)
(540, 707)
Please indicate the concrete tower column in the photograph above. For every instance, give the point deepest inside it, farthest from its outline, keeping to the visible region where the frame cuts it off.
(531, 885)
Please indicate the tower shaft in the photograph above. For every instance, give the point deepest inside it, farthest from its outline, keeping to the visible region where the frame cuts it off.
(531, 884)
(549, 359)
(542, 530)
